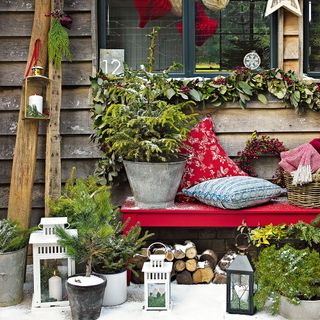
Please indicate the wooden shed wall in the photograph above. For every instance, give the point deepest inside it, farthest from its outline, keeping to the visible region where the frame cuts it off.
(233, 125)
(16, 18)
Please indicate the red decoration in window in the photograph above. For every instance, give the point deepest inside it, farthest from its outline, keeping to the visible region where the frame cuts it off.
(151, 10)
(205, 27)
(207, 158)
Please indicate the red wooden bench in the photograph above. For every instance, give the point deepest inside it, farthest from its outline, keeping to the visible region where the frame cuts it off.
(199, 215)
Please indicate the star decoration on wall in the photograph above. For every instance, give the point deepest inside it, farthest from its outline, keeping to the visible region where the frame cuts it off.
(291, 5)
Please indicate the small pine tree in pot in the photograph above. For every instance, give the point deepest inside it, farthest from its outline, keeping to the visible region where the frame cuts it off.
(100, 242)
(13, 245)
(291, 279)
(137, 119)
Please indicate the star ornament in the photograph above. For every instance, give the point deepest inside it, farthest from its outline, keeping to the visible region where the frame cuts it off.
(291, 5)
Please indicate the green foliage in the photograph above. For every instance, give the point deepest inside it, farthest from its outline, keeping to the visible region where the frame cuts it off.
(305, 231)
(32, 112)
(292, 273)
(58, 43)
(100, 240)
(12, 237)
(262, 235)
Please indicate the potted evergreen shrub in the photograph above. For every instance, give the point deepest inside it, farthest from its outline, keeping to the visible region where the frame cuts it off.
(118, 259)
(83, 199)
(140, 126)
(290, 279)
(89, 215)
(13, 248)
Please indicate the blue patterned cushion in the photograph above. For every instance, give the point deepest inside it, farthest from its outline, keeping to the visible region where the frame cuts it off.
(234, 192)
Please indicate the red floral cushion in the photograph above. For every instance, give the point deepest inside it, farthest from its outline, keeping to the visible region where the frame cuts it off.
(207, 158)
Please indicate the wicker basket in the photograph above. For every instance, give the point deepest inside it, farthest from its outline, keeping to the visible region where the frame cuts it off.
(215, 5)
(307, 195)
(176, 7)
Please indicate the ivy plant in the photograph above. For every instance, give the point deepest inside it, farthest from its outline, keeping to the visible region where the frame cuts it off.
(288, 272)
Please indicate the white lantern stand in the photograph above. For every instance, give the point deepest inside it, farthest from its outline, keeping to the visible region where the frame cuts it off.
(157, 281)
(51, 265)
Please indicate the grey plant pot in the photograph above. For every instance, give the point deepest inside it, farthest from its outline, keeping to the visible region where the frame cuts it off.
(12, 270)
(309, 310)
(154, 185)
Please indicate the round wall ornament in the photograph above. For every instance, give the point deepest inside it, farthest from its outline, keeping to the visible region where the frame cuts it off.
(252, 60)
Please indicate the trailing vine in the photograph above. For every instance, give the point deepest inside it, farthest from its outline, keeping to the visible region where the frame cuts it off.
(257, 146)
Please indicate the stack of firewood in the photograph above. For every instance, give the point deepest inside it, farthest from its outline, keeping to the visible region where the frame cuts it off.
(188, 266)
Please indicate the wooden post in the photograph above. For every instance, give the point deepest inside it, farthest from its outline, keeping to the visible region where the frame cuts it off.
(25, 153)
(53, 139)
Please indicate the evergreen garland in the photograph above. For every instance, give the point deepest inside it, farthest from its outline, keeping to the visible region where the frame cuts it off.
(58, 43)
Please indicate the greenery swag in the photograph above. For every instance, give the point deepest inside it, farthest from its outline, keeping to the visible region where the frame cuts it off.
(257, 146)
(58, 38)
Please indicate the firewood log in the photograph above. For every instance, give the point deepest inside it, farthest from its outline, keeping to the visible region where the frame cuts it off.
(179, 265)
(184, 277)
(210, 256)
(226, 260)
(220, 278)
(138, 260)
(190, 249)
(144, 252)
(191, 265)
(169, 255)
(179, 251)
(204, 275)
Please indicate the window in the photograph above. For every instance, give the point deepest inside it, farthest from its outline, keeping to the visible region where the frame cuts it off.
(204, 42)
(312, 38)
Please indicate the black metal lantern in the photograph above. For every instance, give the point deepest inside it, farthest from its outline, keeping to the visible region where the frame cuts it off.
(240, 282)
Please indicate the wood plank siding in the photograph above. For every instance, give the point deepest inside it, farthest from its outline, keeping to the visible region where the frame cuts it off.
(233, 125)
(16, 18)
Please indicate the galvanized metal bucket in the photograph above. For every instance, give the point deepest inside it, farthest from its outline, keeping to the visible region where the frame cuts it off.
(154, 185)
(12, 269)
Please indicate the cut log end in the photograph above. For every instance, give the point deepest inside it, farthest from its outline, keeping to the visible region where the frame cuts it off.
(204, 275)
(179, 265)
(191, 265)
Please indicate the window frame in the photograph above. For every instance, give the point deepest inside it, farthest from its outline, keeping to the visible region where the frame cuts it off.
(189, 46)
(306, 40)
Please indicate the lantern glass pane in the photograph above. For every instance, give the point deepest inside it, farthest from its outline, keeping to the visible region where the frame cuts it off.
(239, 292)
(54, 274)
(156, 295)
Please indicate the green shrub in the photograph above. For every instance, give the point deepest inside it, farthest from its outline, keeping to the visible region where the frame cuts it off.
(289, 272)
(12, 237)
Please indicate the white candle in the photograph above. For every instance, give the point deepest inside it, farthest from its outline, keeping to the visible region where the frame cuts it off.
(37, 101)
(55, 287)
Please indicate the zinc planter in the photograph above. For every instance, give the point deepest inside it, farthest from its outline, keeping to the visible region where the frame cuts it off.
(85, 297)
(12, 270)
(116, 290)
(154, 185)
(306, 309)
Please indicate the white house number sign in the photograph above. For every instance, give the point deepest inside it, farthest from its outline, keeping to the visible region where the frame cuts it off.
(111, 60)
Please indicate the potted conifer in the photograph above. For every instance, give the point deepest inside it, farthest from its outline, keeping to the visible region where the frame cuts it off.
(13, 248)
(101, 243)
(90, 216)
(290, 279)
(138, 124)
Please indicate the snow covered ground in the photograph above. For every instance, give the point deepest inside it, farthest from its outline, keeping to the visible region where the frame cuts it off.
(196, 302)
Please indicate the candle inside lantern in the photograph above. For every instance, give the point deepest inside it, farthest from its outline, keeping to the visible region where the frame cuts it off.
(55, 287)
(37, 101)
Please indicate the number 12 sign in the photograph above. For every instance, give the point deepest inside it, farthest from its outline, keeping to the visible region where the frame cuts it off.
(111, 60)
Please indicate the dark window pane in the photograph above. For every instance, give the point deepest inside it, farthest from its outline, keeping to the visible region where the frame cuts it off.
(123, 32)
(314, 36)
(242, 28)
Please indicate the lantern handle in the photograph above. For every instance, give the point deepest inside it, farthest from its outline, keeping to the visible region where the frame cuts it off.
(40, 226)
(154, 244)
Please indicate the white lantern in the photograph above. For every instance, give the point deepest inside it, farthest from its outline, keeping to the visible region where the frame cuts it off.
(51, 265)
(157, 282)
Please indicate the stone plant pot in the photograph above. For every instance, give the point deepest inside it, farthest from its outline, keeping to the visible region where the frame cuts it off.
(86, 299)
(12, 270)
(116, 290)
(154, 185)
(307, 309)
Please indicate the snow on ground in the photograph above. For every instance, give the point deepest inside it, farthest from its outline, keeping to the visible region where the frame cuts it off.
(195, 302)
